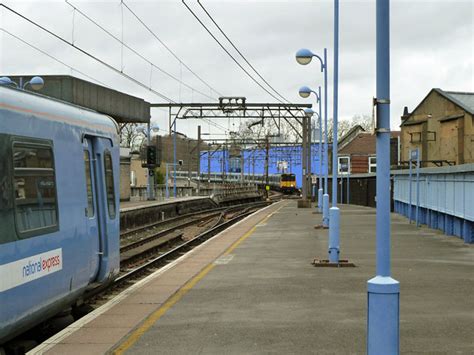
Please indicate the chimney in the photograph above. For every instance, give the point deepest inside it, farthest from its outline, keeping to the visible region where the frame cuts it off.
(405, 111)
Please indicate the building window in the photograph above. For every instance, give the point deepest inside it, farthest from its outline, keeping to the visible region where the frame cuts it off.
(344, 165)
(372, 164)
(35, 189)
(109, 184)
(90, 196)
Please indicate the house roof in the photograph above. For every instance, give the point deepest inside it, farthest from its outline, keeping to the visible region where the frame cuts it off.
(363, 143)
(464, 100)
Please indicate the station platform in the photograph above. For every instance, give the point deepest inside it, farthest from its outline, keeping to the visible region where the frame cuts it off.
(134, 205)
(253, 289)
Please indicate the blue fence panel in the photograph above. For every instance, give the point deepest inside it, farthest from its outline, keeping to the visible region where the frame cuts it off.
(446, 198)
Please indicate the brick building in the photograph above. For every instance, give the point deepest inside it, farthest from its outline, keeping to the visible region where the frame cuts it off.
(357, 150)
(441, 127)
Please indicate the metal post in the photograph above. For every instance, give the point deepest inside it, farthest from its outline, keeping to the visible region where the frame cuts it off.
(174, 158)
(198, 169)
(383, 291)
(304, 159)
(334, 213)
(417, 187)
(309, 189)
(166, 183)
(189, 162)
(320, 151)
(150, 183)
(326, 150)
(209, 165)
(409, 187)
(267, 156)
(348, 179)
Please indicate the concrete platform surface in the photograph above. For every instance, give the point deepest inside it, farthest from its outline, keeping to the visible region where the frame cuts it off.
(111, 324)
(264, 296)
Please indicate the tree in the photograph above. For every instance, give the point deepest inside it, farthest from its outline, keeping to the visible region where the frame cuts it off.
(130, 136)
(365, 121)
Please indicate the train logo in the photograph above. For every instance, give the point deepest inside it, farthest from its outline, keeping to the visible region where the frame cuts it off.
(28, 269)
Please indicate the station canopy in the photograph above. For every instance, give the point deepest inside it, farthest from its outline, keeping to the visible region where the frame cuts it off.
(122, 107)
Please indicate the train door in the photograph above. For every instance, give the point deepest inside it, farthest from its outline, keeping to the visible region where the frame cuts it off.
(91, 210)
(105, 163)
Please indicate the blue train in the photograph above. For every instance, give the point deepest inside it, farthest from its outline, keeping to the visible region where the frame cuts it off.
(59, 207)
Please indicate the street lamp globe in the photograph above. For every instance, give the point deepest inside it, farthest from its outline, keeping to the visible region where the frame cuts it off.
(304, 56)
(5, 80)
(36, 83)
(304, 91)
(308, 112)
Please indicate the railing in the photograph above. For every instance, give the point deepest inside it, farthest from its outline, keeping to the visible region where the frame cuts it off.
(217, 191)
(446, 198)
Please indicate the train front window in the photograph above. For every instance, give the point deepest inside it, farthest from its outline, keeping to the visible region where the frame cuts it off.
(35, 189)
(109, 184)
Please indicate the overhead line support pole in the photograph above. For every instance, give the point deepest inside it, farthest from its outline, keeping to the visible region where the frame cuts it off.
(334, 213)
(383, 291)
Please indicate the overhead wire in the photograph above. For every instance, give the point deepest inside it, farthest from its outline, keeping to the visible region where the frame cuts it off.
(54, 58)
(111, 67)
(148, 61)
(169, 49)
(133, 50)
(228, 53)
(240, 53)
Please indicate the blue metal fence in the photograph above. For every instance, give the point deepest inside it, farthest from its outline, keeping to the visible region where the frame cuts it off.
(446, 198)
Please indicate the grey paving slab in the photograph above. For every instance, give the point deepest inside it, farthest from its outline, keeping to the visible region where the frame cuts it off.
(268, 298)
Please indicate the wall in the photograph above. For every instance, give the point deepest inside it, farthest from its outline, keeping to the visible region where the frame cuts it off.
(446, 131)
(446, 198)
(124, 179)
(254, 161)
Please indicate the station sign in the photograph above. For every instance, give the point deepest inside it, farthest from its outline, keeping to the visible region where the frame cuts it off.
(414, 154)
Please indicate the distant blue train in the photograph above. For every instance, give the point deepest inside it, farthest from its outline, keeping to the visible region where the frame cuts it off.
(59, 207)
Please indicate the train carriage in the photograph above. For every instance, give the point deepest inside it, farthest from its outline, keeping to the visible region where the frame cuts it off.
(288, 183)
(59, 206)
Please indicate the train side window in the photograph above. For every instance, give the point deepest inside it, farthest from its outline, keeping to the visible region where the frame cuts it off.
(35, 189)
(109, 184)
(90, 196)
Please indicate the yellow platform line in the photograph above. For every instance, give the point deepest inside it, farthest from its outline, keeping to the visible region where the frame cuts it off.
(155, 316)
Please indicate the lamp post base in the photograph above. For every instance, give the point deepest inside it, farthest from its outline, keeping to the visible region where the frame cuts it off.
(334, 225)
(327, 263)
(383, 333)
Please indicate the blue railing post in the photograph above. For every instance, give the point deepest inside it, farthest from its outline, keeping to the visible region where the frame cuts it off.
(409, 188)
(383, 291)
(334, 213)
(417, 188)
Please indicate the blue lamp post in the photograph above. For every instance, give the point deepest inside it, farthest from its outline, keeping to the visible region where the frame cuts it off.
(383, 290)
(304, 57)
(304, 92)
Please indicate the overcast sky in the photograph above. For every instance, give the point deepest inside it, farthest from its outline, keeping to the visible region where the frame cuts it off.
(432, 45)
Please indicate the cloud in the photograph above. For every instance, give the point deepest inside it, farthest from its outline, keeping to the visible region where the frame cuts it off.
(432, 45)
